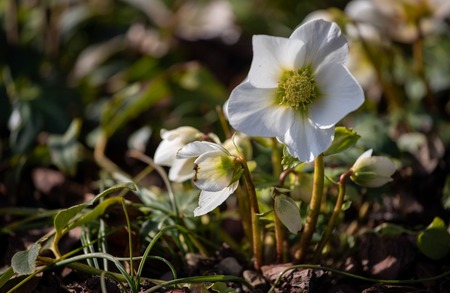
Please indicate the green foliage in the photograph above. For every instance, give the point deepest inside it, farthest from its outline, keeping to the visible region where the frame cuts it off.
(65, 150)
(434, 241)
(69, 72)
(343, 139)
(24, 262)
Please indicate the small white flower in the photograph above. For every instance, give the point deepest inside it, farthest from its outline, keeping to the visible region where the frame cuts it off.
(216, 173)
(166, 152)
(297, 89)
(371, 171)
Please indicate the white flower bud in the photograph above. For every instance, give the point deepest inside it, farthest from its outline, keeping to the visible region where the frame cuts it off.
(371, 171)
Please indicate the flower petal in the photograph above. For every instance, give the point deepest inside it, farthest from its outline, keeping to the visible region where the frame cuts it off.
(272, 55)
(173, 140)
(208, 200)
(253, 111)
(182, 170)
(341, 94)
(324, 42)
(362, 157)
(213, 171)
(305, 140)
(197, 148)
(166, 152)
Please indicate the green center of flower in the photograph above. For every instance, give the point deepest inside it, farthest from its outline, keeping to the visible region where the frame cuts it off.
(297, 89)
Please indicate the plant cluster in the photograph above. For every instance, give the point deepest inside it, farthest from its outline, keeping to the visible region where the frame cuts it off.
(348, 111)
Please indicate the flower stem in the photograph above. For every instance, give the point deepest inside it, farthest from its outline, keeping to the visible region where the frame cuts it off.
(314, 209)
(334, 217)
(254, 211)
(279, 230)
(280, 241)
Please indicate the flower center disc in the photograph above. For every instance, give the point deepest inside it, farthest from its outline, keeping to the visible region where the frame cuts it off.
(297, 89)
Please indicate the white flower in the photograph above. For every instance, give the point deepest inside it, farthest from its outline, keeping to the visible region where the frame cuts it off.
(400, 19)
(297, 89)
(165, 154)
(371, 171)
(216, 173)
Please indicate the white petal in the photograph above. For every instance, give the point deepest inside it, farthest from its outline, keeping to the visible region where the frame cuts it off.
(197, 148)
(182, 170)
(362, 157)
(173, 140)
(208, 201)
(210, 174)
(272, 55)
(166, 152)
(381, 165)
(324, 42)
(341, 92)
(253, 111)
(305, 140)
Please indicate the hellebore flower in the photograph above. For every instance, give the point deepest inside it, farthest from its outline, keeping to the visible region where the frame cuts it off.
(371, 171)
(297, 89)
(216, 173)
(166, 152)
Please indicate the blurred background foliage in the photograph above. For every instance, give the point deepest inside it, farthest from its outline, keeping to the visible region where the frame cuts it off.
(78, 73)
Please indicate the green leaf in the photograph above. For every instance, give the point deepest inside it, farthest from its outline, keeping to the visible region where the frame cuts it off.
(343, 139)
(221, 287)
(131, 102)
(64, 217)
(65, 149)
(6, 275)
(24, 262)
(288, 161)
(96, 212)
(434, 241)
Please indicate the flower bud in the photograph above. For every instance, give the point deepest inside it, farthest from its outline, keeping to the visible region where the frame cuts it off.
(371, 171)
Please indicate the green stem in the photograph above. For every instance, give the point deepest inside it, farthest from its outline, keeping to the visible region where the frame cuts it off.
(245, 216)
(314, 209)
(254, 211)
(280, 241)
(334, 217)
(279, 228)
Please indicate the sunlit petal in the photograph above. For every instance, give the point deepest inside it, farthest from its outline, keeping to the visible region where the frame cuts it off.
(208, 200)
(197, 148)
(341, 94)
(182, 170)
(272, 55)
(305, 140)
(213, 171)
(253, 111)
(324, 42)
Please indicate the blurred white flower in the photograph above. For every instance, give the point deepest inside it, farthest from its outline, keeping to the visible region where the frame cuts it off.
(216, 173)
(371, 171)
(166, 152)
(400, 19)
(297, 89)
(199, 20)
